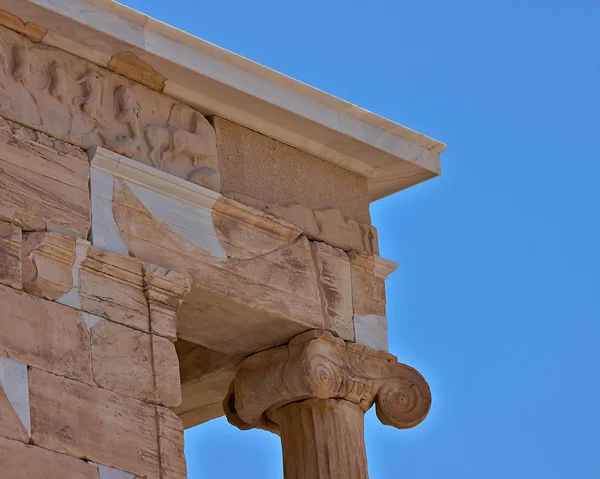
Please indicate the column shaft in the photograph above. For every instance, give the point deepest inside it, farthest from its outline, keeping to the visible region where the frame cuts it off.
(323, 439)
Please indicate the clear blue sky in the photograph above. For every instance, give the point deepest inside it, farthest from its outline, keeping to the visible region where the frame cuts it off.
(497, 298)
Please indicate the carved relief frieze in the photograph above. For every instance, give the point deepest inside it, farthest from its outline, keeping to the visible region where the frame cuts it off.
(76, 101)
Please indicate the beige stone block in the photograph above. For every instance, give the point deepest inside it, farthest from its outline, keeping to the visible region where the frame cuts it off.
(368, 292)
(234, 306)
(43, 181)
(32, 31)
(21, 461)
(48, 264)
(88, 422)
(170, 438)
(111, 286)
(44, 334)
(165, 289)
(10, 255)
(266, 169)
(246, 233)
(136, 364)
(335, 286)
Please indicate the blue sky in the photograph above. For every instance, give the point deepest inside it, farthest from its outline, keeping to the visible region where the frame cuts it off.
(496, 300)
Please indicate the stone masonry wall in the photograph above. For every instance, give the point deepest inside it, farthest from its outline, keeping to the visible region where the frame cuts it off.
(88, 368)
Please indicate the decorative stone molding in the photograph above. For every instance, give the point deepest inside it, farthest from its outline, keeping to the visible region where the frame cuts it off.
(165, 290)
(315, 364)
(74, 100)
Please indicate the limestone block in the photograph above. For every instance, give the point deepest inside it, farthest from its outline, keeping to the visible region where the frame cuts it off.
(43, 182)
(266, 169)
(14, 400)
(165, 290)
(48, 260)
(326, 225)
(32, 31)
(44, 334)
(20, 461)
(10, 255)
(111, 286)
(74, 100)
(246, 233)
(368, 292)
(135, 364)
(335, 288)
(88, 422)
(170, 433)
(234, 306)
(371, 331)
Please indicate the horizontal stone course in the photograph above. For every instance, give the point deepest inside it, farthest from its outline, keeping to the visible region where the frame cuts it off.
(88, 422)
(44, 334)
(21, 461)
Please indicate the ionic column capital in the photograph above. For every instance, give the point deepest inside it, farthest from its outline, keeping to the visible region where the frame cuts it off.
(315, 364)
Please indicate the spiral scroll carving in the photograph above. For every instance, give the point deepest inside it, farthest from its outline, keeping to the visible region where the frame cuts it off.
(317, 365)
(402, 404)
(324, 377)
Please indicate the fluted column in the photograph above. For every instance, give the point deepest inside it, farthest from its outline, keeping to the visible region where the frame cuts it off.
(314, 392)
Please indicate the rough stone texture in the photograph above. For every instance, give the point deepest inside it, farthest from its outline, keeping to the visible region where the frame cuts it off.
(164, 290)
(20, 461)
(234, 306)
(135, 364)
(258, 166)
(323, 438)
(44, 334)
(87, 422)
(32, 31)
(335, 283)
(10, 255)
(48, 264)
(205, 379)
(131, 66)
(246, 233)
(74, 100)
(328, 225)
(170, 440)
(111, 286)
(368, 292)
(14, 400)
(43, 182)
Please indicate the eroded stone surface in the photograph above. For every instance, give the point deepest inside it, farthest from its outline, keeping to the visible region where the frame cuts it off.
(336, 289)
(170, 436)
(20, 461)
(76, 101)
(48, 264)
(10, 255)
(44, 334)
(260, 167)
(87, 422)
(326, 225)
(111, 286)
(43, 181)
(135, 364)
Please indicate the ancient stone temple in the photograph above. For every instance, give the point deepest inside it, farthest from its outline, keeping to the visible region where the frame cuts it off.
(185, 234)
